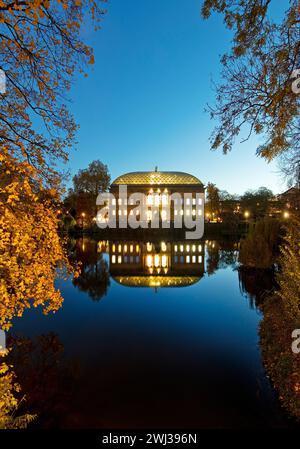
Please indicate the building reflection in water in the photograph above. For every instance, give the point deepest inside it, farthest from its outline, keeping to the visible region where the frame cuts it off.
(156, 264)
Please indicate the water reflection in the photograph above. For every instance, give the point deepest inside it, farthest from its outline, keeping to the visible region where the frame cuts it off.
(156, 264)
(189, 359)
(94, 278)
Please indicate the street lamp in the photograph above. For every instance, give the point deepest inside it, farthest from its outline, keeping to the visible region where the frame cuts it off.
(246, 214)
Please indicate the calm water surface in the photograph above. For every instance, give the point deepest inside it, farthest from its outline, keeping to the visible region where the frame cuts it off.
(153, 334)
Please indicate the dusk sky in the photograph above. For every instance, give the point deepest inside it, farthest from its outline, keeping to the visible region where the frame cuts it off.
(143, 102)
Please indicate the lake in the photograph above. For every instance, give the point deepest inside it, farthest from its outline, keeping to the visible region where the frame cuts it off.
(152, 334)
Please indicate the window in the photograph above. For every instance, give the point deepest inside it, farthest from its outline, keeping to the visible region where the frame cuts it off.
(199, 201)
(187, 259)
(181, 248)
(164, 261)
(120, 201)
(188, 201)
(119, 259)
(113, 259)
(199, 212)
(194, 248)
(176, 259)
(187, 212)
(194, 212)
(187, 248)
(194, 201)
(200, 259)
(175, 248)
(114, 248)
(119, 248)
(113, 202)
(193, 259)
(125, 248)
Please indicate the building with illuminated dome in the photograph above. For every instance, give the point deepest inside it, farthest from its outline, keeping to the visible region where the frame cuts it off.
(158, 186)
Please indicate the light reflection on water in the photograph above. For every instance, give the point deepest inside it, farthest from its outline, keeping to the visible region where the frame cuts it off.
(181, 350)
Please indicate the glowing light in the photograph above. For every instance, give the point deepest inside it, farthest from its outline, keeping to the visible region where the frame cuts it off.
(125, 248)
(181, 248)
(114, 248)
(286, 214)
(164, 261)
(163, 246)
(149, 246)
(246, 214)
(187, 248)
(194, 248)
(131, 248)
(119, 259)
(149, 261)
(156, 260)
(137, 248)
(175, 248)
(120, 248)
(113, 259)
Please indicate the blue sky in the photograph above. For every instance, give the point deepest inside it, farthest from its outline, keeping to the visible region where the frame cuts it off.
(143, 102)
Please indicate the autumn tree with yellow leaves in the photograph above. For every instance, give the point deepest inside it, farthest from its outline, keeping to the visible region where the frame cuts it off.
(40, 50)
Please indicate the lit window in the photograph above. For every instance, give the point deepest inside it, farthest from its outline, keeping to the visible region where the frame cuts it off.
(114, 212)
(131, 248)
(200, 201)
(120, 212)
(113, 259)
(199, 212)
(187, 212)
(119, 259)
(149, 200)
(131, 212)
(200, 259)
(156, 260)
(113, 202)
(137, 248)
(194, 212)
(149, 260)
(120, 248)
(164, 261)
(125, 248)
(149, 246)
(194, 201)
(175, 248)
(175, 212)
(188, 201)
(163, 246)
(194, 248)
(114, 248)
(120, 201)
(181, 248)
(199, 248)
(187, 248)
(187, 259)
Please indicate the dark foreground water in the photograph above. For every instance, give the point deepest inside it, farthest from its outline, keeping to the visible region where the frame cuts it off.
(153, 334)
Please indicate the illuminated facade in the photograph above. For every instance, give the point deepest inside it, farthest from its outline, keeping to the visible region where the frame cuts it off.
(156, 264)
(158, 188)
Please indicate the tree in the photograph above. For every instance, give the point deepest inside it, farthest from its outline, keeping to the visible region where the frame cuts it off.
(41, 48)
(260, 247)
(257, 201)
(256, 88)
(213, 200)
(87, 184)
(92, 180)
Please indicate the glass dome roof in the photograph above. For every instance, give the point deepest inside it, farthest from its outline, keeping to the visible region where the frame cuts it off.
(157, 178)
